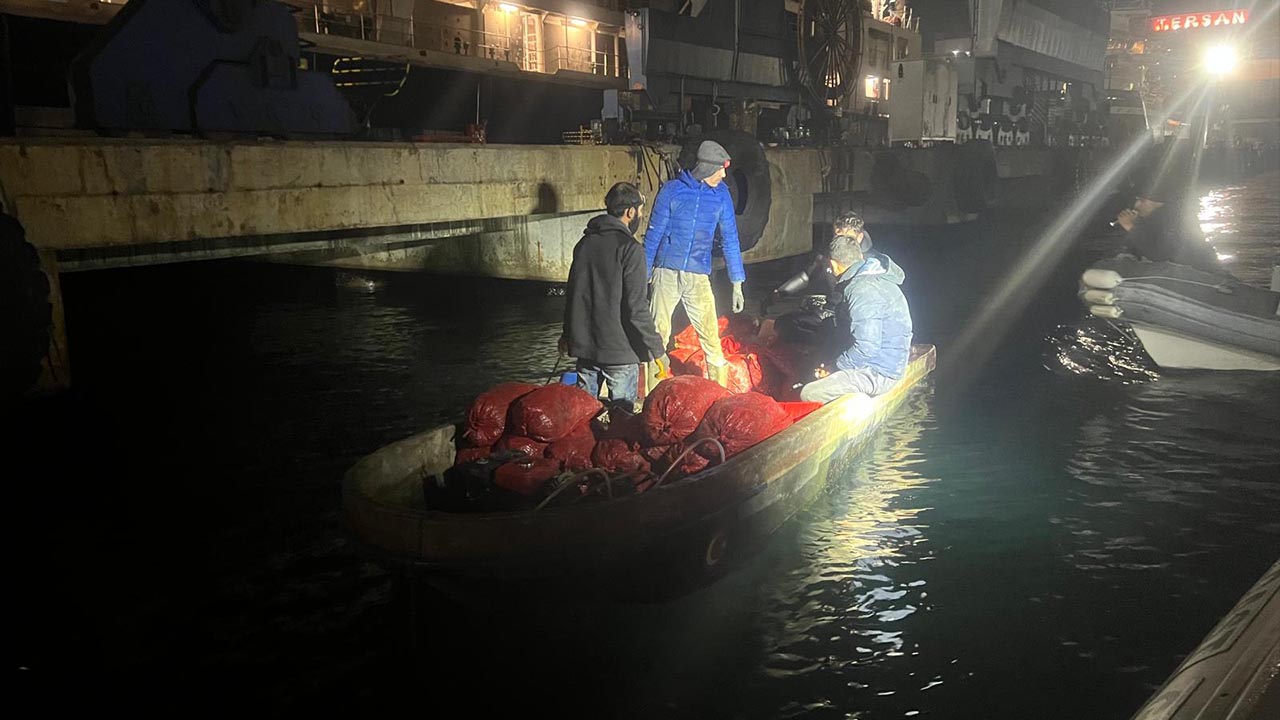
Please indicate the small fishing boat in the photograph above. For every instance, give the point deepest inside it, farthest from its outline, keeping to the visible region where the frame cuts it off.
(1186, 318)
(698, 521)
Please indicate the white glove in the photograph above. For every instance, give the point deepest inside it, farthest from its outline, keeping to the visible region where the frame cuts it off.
(739, 302)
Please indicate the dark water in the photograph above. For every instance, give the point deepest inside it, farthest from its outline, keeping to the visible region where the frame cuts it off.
(1017, 543)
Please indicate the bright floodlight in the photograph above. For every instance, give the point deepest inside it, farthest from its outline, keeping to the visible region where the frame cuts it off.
(1220, 59)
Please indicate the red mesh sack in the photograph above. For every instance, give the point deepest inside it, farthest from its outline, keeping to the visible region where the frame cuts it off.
(688, 338)
(551, 412)
(738, 422)
(682, 354)
(693, 363)
(531, 447)
(692, 463)
(745, 373)
(617, 456)
(526, 477)
(574, 449)
(487, 417)
(468, 454)
(660, 457)
(676, 406)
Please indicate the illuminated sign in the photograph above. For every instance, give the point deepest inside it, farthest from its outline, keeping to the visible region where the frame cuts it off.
(1199, 21)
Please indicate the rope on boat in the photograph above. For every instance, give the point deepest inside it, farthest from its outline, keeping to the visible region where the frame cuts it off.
(1222, 287)
(572, 481)
(719, 446)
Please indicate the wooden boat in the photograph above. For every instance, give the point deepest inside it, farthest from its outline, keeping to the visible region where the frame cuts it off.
(698, 522)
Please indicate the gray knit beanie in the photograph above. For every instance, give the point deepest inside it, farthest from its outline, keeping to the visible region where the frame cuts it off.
(711, 157)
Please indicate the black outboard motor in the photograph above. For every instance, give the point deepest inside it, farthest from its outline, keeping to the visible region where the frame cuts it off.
(814, 323)
(469, 487)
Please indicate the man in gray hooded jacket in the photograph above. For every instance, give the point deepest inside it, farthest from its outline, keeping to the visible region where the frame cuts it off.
(878, 319)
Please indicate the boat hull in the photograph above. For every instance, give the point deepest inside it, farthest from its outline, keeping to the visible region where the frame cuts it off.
(703, 519)
(1174, 350)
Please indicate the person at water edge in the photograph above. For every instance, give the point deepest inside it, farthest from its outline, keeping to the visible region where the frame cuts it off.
(875, 312)
(607, 325)
(1157, 227)
(682, 230)
(818, 278)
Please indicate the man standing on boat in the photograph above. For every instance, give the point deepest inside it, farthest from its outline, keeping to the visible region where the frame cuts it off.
(879, 321)
(607, 325)
(677, 245)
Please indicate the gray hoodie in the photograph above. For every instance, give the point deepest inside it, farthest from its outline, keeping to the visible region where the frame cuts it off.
(877, 315)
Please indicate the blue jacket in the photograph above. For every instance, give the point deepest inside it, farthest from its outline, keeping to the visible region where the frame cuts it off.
(878, 317)
(682, 228)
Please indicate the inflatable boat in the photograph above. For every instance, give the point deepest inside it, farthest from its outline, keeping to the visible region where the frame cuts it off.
(697, 521)
(1235, 672)
(1187, 318)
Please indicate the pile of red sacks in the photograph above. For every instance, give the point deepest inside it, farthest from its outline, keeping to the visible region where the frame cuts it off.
(752, 365)
(558, 428)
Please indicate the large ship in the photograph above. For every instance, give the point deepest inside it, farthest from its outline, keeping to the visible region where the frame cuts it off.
(473, 137)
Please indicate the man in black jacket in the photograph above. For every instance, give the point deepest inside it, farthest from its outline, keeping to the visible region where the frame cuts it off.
(1158, 227)
(607, 323)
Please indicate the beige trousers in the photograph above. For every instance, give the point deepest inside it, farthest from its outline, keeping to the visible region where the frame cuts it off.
(694, 290)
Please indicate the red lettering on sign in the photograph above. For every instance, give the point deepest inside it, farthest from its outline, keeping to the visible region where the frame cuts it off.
(1199, 21)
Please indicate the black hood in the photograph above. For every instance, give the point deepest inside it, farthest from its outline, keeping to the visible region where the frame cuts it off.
(606, 223)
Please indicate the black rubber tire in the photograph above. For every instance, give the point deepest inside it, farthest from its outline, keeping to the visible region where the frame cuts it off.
(974, 176)
(912, 188)
(748, 180)
(896, 185)
(26, 315)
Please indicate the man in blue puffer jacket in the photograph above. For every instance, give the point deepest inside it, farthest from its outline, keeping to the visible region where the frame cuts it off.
(878, 320)
(677, 245)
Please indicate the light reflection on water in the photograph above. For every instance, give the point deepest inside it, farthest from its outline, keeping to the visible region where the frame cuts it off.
(1242, 223)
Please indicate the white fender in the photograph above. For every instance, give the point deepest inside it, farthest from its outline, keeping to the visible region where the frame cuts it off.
(1101, 279)
(1105, 311)
(1094, 296)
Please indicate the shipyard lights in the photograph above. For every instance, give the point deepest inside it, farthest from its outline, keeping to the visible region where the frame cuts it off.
(1220, 60)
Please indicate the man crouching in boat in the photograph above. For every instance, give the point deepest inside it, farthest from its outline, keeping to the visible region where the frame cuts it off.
(1158, 227)
(607, 323)
(878, 319)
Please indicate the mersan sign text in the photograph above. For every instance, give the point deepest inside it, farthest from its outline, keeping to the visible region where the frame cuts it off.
(1199, 21)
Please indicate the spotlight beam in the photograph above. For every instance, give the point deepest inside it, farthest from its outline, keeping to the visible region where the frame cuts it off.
(1028, 273)
(979, 338)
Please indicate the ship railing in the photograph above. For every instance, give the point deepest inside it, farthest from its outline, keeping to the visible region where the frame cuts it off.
(338, 19)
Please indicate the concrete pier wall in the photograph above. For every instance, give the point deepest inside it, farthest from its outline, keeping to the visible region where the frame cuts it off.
(540, 247)
(95, 193)
(149, 201)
